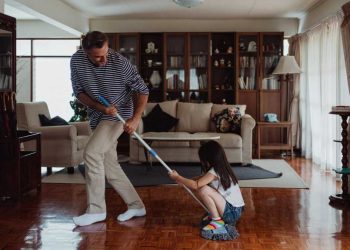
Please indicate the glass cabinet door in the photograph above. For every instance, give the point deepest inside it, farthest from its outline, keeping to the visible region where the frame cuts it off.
(128, 47)
(272, 50)
(223, 68)
(247, 65)
(199, 61)
(6, 55)
(175, 66)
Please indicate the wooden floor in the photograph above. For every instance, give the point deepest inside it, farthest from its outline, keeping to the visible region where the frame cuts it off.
(273, 219)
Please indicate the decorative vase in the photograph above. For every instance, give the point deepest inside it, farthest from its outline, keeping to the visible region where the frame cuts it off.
(155, 79)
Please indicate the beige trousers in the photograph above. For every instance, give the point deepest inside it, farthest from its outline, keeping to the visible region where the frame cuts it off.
(101, 159)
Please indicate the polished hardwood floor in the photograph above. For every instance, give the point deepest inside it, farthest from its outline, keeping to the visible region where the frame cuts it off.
(273, 219)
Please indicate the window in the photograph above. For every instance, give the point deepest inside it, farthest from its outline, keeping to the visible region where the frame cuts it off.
(48, 60)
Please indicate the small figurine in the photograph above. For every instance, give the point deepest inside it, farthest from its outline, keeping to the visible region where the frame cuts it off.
(216, 51)
(229, 50)
(216, 63)
(229, 63)
(222, 62)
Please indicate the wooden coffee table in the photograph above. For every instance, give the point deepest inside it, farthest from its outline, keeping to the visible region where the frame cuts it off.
(150, 137)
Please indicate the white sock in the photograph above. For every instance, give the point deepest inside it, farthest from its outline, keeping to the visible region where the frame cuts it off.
(88, 219)
(132, 212)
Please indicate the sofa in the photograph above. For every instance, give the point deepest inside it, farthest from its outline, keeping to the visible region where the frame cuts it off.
(195, 118)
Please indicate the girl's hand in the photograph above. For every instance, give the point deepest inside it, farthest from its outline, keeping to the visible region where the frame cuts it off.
(173, 175)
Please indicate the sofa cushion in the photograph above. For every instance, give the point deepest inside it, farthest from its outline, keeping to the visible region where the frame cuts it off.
(158, 121)
(193, 117)
(219, 107)
(227, 140)
(167, 106)
(228, 120)
(56, 121)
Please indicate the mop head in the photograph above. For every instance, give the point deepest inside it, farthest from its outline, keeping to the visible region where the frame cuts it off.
(226, 232)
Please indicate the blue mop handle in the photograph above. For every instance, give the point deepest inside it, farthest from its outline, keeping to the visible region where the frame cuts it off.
(151, 151)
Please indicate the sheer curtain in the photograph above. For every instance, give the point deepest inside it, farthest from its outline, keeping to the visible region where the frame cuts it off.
(322, 85)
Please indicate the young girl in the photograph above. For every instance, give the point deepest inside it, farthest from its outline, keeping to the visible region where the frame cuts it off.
(217, 188)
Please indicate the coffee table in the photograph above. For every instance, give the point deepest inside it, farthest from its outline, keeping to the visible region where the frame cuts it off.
(150, 137)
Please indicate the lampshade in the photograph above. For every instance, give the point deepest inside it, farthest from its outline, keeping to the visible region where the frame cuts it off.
(287, 65)
(188, 3)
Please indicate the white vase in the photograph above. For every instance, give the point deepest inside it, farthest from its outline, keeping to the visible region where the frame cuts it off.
(155, 79)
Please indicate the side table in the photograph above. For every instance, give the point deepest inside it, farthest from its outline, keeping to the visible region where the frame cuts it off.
(343, 198)
(274, 146)
(20, 171)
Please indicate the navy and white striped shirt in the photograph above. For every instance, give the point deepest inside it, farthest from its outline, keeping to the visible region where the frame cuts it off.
(115, 81)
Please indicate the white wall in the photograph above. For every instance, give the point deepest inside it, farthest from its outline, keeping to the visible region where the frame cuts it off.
(319, 12)
(40, 29)
(288, 25)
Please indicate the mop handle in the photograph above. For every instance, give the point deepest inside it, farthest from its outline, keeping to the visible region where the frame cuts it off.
(151, 151)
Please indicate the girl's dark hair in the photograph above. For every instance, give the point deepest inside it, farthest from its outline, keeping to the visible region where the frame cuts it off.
(212, 155)
(93, 39)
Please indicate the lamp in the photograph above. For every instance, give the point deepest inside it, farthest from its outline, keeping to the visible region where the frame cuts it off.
(188, 3)
(287, 66)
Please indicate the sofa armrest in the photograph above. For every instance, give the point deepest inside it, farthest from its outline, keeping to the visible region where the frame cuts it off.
(83, 128)
(63, 132)
(247, 126)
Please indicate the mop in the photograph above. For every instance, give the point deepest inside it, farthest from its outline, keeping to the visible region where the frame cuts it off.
(227, 232)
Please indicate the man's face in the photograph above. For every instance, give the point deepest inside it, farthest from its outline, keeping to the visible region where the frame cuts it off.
(98, 56)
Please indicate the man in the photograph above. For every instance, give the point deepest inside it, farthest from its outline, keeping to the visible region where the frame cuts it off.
(97, 71)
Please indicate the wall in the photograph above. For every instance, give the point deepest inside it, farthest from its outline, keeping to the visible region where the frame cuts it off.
(288, 25)
(40, 29)
(318, 13)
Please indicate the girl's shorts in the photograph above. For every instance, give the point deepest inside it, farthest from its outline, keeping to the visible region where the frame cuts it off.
(232, 214)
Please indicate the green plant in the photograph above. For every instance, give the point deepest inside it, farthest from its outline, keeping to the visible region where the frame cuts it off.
(80, 111)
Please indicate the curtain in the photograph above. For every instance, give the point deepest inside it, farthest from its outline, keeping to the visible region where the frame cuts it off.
(294, 50)
(322, 84)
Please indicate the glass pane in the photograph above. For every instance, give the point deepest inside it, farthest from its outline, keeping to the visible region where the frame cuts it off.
(23, 47)
(53, 74)
(55, 47)
(175, 79)
(198, 78)
(5, 60)
(23, 80)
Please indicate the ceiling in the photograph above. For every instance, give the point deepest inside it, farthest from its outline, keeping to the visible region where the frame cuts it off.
(167, 9)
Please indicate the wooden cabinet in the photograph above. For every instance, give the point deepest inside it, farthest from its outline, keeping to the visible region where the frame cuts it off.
(19, 170)
(218, 67)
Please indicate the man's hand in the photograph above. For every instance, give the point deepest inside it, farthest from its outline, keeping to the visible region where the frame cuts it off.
(131, 124)
(111, 110)
(173, 175)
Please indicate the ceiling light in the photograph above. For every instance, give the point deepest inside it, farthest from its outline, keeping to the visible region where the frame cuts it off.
(188, 3)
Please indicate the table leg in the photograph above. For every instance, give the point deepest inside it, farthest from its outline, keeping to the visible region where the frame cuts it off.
(343, 198)
(148, 156)
(258, 144)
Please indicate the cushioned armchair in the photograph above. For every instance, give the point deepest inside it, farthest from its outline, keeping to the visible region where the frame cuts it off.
(61, 146)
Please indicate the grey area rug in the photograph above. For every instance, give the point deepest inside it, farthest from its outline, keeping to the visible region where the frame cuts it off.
(141, 175)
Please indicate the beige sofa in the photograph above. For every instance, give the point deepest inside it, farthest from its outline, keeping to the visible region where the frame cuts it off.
(61, 146)
(196, 118)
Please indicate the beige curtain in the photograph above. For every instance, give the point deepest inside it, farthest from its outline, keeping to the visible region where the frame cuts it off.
(293, 93)
(345, 32)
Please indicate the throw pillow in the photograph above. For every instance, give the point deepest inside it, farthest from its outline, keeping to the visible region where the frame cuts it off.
(158, 121)
(228, 120)
(56, 121)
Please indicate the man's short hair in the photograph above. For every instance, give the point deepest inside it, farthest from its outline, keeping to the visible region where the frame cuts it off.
(94, 39)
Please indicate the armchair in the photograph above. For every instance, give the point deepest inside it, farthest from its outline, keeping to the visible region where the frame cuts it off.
(61, 146)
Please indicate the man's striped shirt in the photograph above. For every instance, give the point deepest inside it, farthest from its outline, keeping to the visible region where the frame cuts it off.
(115, 81)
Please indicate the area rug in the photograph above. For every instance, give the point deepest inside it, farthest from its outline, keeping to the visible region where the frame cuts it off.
(277, 174)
